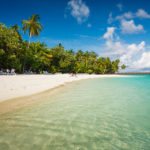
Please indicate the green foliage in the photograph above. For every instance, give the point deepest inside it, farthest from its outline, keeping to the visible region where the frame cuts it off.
(123, 66)
(39, 57)
(67, 63)
(90, 71)
(32, 25)
(58, 53)
(10, 47)
(36, 57)
(53, 69)
(15, 53)
(115, 66)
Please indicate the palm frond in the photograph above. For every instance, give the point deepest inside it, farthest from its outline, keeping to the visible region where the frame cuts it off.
(35, 17)
(32, 25)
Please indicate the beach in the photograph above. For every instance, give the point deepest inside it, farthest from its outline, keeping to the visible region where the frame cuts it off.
(24, 85)
(17, 91)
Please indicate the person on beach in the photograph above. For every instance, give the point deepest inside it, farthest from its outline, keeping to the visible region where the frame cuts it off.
(13, 72)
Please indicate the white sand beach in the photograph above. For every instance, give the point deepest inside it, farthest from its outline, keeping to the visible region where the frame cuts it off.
(17, 91)
(24, 85)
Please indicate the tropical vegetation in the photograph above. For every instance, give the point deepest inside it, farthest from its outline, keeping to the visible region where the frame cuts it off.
(37, 57)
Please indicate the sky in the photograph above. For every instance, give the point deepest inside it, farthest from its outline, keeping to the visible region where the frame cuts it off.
(111, 28)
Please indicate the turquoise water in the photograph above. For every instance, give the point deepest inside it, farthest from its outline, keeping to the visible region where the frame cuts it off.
(98, 114)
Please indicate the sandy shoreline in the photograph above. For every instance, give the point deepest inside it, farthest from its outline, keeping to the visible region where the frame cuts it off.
(19, 90)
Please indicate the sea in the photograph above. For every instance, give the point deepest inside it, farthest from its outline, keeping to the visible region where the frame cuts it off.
(92, 114)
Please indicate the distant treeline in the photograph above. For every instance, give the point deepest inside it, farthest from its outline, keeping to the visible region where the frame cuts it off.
(138, 73)
(22, 55)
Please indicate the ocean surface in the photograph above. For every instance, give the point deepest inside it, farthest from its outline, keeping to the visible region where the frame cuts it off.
(95, 114)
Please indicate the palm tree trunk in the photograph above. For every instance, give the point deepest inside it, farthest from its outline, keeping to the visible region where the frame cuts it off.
(29, 39)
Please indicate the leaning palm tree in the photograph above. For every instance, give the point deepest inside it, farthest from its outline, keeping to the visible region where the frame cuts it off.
(32, 25)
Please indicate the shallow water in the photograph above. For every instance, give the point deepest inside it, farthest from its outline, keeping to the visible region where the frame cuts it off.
(107, 114)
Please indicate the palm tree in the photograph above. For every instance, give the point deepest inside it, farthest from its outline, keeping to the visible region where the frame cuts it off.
(79, 55)
(16, 28)
(32, 25)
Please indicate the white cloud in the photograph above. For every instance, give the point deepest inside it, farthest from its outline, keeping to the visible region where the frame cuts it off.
(127, 15)
(129, 27)
(131, 51)
(110, 18)
(79, 10)
(143, 62)
(120, 6)
(109, 33)
(128, 54)
(114, 49)
(124, 51)
(132, 55)
(142, 14)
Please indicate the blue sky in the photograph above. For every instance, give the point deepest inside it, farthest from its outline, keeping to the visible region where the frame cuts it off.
(114, 28)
